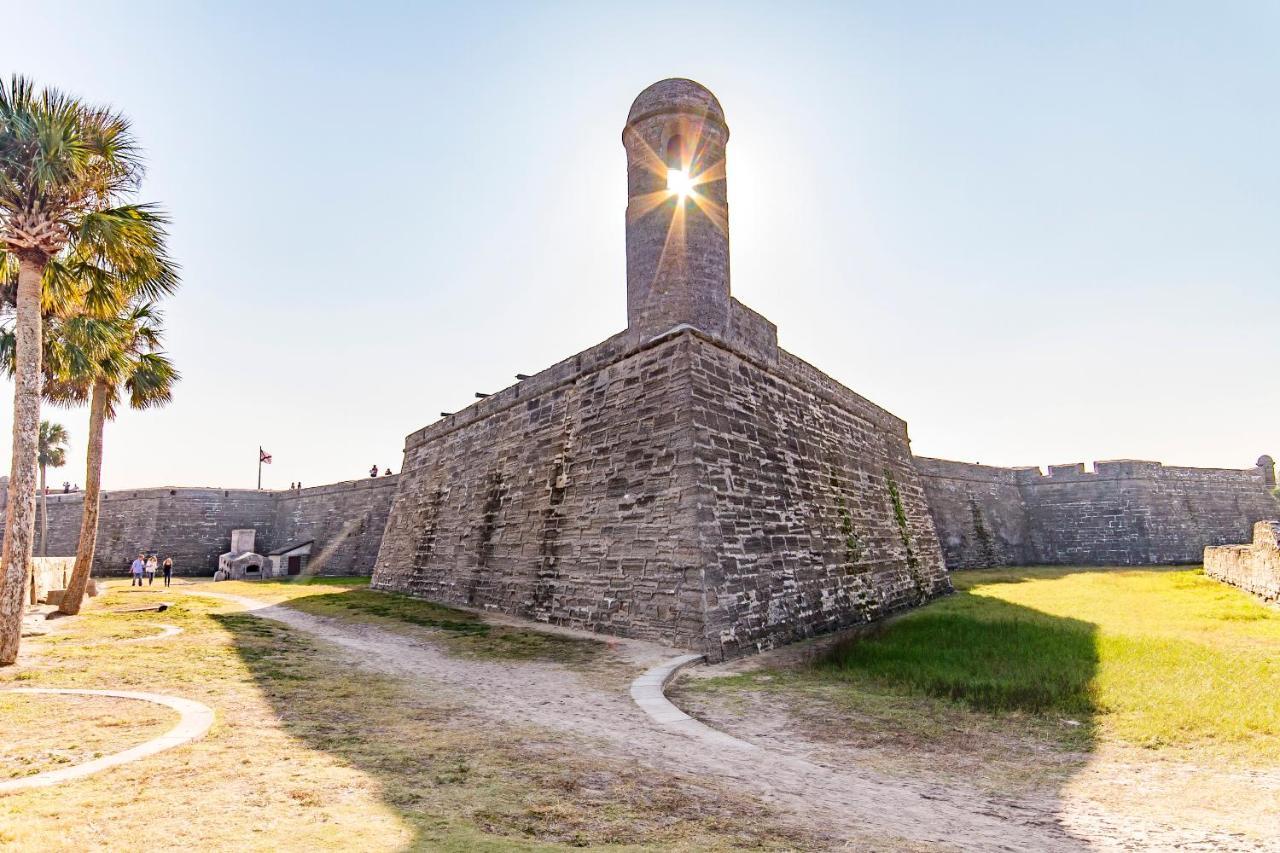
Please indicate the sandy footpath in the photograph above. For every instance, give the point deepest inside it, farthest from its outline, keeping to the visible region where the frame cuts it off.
(807, 782)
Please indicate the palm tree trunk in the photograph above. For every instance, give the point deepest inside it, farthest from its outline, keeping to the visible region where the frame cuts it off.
(72, 598)
(19, 522)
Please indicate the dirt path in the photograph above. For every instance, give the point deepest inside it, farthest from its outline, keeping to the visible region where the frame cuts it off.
(864, 806)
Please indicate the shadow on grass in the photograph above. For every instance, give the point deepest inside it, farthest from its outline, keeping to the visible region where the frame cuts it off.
(969, 692)
(987, 654)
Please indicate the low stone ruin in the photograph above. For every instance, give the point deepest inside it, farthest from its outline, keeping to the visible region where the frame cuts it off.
(1254, 568)
(48, 574)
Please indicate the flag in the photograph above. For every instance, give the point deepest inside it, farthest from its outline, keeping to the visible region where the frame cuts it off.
(264, 456)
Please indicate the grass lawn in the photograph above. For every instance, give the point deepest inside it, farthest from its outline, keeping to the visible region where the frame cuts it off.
(1155, 658)
(308, 753)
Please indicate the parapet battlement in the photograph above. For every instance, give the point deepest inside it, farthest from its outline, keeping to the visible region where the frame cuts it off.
(1123, 512)
(1076, 472)
(1128, 469)
(624, 345)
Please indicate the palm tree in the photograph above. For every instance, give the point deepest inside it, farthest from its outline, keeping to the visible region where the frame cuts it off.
(107, 360)
(64, 168)
(52, 454)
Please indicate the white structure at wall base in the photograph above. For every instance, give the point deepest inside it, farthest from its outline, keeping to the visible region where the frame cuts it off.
(291, 559)
(241, 563)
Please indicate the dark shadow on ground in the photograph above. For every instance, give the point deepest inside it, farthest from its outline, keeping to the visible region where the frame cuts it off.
(457, 777)
(968, 692)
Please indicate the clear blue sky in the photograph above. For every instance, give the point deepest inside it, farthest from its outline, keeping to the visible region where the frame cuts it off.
(1040, 233)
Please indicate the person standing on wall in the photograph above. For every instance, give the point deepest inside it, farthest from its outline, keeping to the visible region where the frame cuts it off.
(168, 570)
(138, 567)
(151, 569)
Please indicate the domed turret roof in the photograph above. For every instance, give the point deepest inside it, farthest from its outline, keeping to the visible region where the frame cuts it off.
(676, 95)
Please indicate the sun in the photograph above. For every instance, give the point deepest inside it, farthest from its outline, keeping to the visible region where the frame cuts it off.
(679, 182)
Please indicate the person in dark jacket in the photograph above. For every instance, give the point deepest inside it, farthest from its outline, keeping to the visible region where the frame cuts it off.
(168, 570)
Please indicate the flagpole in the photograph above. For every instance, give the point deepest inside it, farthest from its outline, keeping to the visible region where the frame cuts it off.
(259, 467)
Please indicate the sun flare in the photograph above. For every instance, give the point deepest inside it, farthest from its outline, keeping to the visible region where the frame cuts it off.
(679, 182)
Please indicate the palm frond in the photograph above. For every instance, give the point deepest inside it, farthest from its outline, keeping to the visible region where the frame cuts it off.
(151, 381)
(121, 253)
(52, 445)
(8, 277)
(8, 349)
(62, 286)
(60, 161)
(122, 351)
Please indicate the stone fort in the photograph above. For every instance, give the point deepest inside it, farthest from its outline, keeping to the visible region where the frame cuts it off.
(687, 480)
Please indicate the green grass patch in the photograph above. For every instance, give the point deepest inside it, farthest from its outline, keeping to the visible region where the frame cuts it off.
(317, 580)
(991, 664)
(1159, 657)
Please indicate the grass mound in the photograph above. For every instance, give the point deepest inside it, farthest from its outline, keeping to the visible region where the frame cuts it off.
(404, 609)
(461, 631)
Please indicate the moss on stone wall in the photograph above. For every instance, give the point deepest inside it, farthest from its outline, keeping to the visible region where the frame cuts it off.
(981, 535)
(854, 549)
(900, 515)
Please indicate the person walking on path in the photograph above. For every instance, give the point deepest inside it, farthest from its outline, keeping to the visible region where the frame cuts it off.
(168, 570)
(136, 570)
(151, 569)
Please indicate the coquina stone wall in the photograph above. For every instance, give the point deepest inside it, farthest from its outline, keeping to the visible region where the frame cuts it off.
(567, 498)
(676, 489)
(978, 512)
(811, 516)
(344, 520)
(1121, 513)
(1254, 567)
(193, 525)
